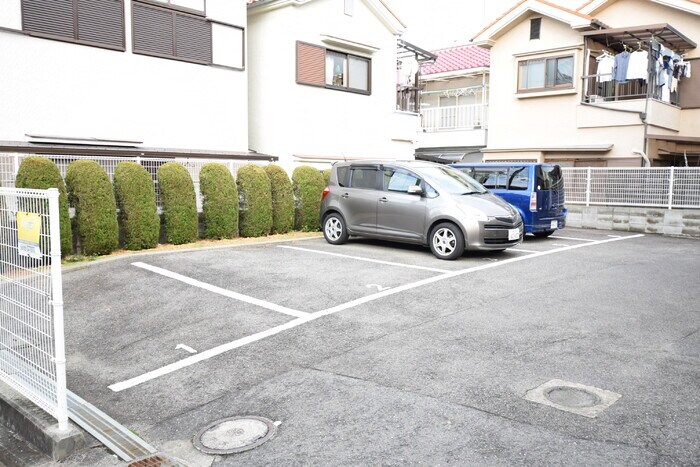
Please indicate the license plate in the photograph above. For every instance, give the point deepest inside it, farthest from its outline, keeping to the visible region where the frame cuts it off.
(513, 234)
(554, 225)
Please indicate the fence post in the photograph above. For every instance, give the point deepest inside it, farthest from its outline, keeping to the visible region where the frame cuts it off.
(16, 167)
(138, 159)
(57, 306)
(670, 188)
(588, 186)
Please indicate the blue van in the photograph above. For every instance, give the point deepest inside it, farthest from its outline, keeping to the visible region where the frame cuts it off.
(535, 190)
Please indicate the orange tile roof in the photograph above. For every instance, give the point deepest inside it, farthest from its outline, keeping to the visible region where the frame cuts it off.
(457, 58)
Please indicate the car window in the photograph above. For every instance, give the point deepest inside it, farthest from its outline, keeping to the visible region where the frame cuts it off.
(491, 178)
(399, 180)
(518, 178)
(342, 173)
(453, 181)
(549, 178)
(363, 177)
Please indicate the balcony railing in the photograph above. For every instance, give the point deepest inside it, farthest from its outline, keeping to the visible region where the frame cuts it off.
(602, 88)
(457, 117)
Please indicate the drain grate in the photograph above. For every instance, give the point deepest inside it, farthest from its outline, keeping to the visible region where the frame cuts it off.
(575, 398)
(234, 434)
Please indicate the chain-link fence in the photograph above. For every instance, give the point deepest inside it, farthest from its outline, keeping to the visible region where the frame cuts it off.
(667, 187)
(32, 354)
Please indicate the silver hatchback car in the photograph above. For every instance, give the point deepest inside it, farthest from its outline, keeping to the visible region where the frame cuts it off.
(416, 202)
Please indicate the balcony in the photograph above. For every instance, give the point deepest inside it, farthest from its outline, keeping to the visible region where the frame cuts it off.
(601, 88)
(456, 117)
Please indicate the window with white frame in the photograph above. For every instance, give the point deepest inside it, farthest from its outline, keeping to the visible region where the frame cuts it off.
(546, 73)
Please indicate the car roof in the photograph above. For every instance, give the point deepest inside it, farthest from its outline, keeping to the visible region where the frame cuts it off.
(406, 163)
(501, 164)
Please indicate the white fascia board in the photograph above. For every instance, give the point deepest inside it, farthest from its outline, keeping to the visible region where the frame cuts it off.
(593, 6)
(386, 16)
(454, 74)
(348, 44)
(575, 21)
(683, 5)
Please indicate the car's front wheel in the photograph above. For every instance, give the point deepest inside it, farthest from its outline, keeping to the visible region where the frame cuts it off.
(334, 229)
(447, 241)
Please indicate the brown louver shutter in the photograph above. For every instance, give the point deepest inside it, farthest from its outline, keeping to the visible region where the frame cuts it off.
(153, 30)
(311, 64)
(50, 17)
(101, 21)
(193, 38)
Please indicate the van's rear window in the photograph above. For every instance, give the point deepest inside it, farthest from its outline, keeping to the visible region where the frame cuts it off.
(549, 178)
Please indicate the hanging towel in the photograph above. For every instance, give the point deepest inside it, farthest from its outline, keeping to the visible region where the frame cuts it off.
(604, 71)
(622, 61)
(638, 65)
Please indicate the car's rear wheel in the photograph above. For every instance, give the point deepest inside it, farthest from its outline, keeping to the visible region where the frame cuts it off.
(544, 234)
(447, 241)
(334, 229)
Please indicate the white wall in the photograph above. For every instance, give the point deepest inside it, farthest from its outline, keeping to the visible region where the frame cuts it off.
(288, 119)
(56, 88)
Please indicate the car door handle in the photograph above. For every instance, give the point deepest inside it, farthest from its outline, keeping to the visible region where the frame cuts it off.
(383, 200)
(345, 195)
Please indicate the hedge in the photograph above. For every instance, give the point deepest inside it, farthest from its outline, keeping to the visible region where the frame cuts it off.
(255, 195)
(282, 199)
(92, 195)
(308, 186)
(327, 175)
(179, 203)
(136, 200)
(219, 201)
(41, 173)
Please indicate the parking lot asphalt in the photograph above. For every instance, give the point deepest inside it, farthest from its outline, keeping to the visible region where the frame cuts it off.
(378, 353)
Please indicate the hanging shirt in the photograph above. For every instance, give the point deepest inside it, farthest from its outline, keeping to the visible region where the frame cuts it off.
(606, 64)
(638, 65)
(621, 63)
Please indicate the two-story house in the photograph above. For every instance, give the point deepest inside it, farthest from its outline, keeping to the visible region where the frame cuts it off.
(454, 105)
(608, 84)
(124, 77)
(323, 82)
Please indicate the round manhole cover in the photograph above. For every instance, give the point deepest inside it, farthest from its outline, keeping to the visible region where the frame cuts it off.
(234, 434)
(572, 397)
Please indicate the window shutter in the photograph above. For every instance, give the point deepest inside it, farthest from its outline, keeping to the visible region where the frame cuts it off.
(101, 21)
(193, 38)
(51, 17)
(153, 30)
(311, 64)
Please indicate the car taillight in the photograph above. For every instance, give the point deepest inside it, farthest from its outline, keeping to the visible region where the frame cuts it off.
(325, 192)
(533, 201)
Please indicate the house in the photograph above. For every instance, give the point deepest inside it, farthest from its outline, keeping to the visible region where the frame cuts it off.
(323, 81)
(124, 77)
(606, 84)
(454, 105)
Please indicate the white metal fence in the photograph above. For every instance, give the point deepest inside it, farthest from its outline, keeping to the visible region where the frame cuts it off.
(10, 162)
(666, 187)
(32, 354)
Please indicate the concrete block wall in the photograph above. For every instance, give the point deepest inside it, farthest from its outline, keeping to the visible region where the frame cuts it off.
(678, 222)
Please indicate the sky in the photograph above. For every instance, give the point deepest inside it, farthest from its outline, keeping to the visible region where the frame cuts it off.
(434, 24)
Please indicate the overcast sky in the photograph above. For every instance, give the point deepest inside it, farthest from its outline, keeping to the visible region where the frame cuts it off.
(434, 24)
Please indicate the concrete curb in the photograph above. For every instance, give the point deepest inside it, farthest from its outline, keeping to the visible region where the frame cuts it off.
(37, 427)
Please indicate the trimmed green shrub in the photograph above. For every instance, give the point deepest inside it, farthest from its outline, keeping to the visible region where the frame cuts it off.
(327, 175)
(136, 200)
(255, 195)
(219, 201)
(308, 187)
(179, 203)
(41, 173)
(282, 199)
(91, 193)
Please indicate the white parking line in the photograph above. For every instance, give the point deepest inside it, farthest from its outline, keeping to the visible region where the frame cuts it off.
(520, 250)
(220, 291)
(572, 238)
(191, 360)
(360, 258)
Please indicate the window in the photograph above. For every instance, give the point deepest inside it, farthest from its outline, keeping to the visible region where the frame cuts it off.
(342, 174)
(549, 177)
(535, 26)
(91, 22)
(491, 178)
(546, 73)
(399, 180)
(171, 34)
(363, 177)
(518, 178)
(318, 66)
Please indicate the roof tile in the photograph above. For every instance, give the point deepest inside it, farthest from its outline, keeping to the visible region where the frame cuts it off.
(461, 57)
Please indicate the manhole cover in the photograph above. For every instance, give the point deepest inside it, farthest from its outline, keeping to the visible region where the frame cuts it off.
(234, 434)
(572, 397)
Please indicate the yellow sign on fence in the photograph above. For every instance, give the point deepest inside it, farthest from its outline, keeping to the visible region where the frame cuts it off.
(29, 234)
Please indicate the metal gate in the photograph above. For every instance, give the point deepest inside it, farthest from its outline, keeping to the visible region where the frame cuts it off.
(32, 353)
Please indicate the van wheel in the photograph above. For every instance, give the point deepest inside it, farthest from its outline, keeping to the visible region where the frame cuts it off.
(544, 234)
(447, 241)
(334, 229)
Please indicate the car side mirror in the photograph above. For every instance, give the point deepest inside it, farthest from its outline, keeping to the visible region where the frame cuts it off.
(415, 190)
